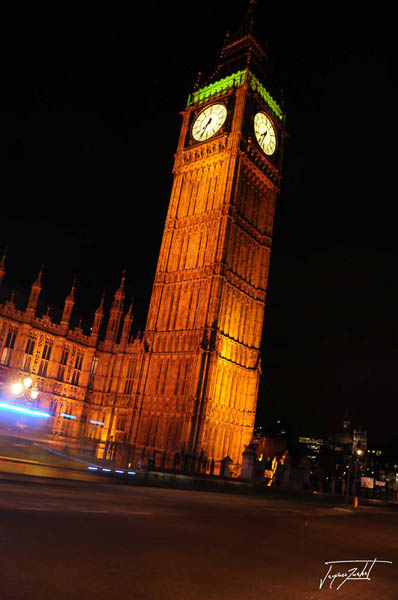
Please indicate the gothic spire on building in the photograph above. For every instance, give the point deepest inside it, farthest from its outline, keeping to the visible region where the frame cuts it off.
(115, 314)
(35, 293)
(247, 25)
(127, 324)
(98, 316)
(242, 51)
(119, 294)
(68, 306)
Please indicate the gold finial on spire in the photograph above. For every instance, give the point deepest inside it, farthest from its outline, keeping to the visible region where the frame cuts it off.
(121, 288)
(100, 309)
(130, 310)
(38, 280)
(71, 296)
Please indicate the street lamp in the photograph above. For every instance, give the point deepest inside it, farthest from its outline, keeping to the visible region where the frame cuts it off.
(357, 454)
(23, 389)
(27, 395)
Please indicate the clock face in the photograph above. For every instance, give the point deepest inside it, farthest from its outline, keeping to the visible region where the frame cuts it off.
(265, 133)
(209, 121)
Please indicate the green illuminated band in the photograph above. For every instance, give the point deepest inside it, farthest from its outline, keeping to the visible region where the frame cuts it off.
(236, 79)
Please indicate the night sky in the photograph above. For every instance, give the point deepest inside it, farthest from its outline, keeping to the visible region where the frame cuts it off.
(89, 126)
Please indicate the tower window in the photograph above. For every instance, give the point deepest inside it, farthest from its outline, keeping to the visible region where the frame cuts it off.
(77, 369)
(12, 334)
(45, 357)
(30, 344)
(47, 350)
(62, 364)
(27, 359)
(8, 346)
(93, 371)
(128, 386)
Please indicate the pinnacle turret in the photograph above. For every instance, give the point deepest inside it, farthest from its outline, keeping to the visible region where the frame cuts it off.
(68, 306)
(35, 293)
(127, 324)
(116, 311)
(98, 316)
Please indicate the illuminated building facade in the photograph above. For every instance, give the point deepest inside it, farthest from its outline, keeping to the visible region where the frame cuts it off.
(201, 370)
(84, 382)
(184, 393)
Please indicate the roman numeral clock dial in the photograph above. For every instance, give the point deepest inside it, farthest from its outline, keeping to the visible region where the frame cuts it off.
(265, 133)
(208, 122)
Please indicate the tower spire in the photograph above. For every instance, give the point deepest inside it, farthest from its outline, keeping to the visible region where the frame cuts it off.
(241, 50)
(38, 280)
(248, 22)
(98, 316)
(68, 307)
(35, 293)
(127, 323)
(116, 312)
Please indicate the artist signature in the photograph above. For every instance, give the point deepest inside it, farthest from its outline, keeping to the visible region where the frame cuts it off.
(359, 572)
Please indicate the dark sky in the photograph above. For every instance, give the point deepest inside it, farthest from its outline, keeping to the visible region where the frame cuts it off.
(89, 126)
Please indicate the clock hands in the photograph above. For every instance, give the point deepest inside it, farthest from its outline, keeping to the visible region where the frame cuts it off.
(208, 122)
(205, 127)
(265, 133)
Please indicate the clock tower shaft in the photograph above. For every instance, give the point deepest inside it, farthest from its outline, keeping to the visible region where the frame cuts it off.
(201, 368)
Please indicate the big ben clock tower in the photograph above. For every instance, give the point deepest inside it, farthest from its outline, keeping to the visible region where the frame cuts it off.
(200, 373)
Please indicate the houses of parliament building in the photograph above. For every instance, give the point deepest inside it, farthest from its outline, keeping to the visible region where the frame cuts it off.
(186, 388)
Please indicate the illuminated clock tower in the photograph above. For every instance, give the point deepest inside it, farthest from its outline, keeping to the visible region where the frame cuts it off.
(200, 373)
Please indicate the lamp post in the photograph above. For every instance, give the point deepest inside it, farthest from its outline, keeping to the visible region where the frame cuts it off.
(354, 455)
(27, 395)
(24, 389)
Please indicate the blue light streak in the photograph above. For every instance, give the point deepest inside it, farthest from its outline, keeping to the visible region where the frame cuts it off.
(64, 455)
(97, 422)
(25, 411)
(92, 468)
(131, 473)
(119, 471)
(107, 470)
(66, 416)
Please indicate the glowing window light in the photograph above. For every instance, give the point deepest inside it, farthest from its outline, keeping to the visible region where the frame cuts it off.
(26, 411)
(66, 416)
(97, 422)
(34, 394)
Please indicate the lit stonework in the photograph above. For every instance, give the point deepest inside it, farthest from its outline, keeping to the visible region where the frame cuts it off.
(84, 383)
(201, 367)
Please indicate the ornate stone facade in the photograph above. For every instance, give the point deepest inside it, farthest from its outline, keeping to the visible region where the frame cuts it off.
(85, 383)
(201, 369)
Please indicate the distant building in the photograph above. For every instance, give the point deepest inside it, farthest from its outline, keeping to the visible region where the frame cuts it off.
(312, 446)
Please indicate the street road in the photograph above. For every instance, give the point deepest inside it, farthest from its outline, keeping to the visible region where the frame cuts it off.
(76, 540)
